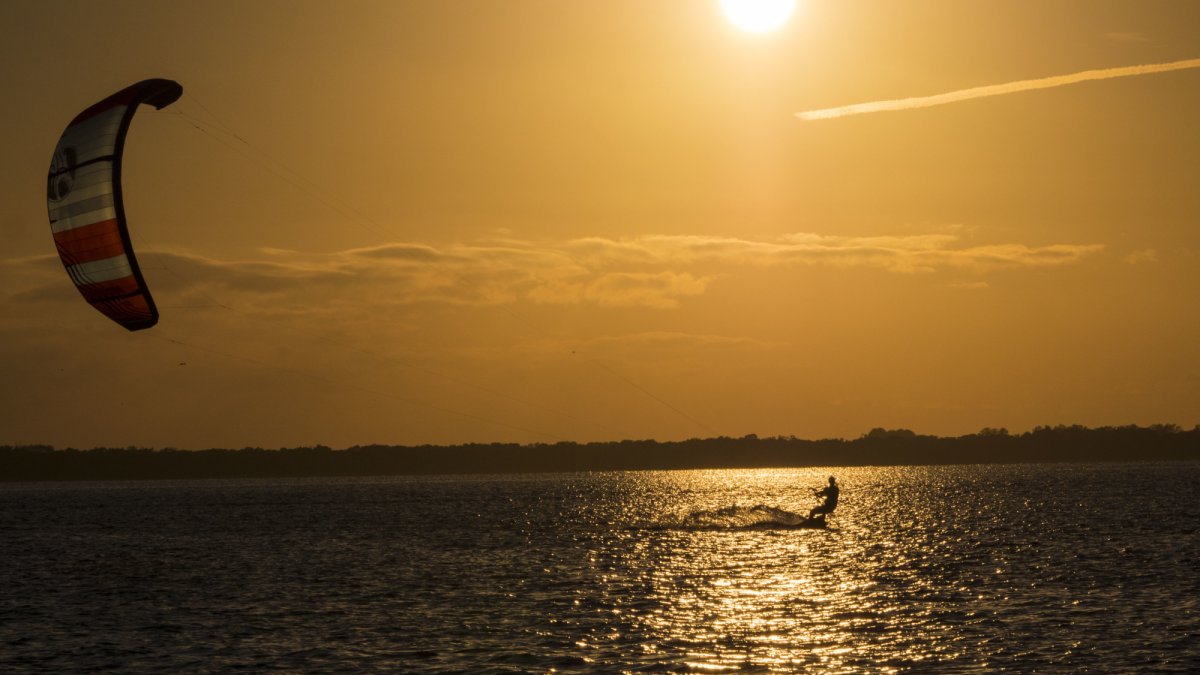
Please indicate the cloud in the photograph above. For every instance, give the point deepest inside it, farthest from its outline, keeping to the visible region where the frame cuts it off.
(995, 90)
(400, 252)
(671, 341)
(1145, 255)
(906, 254)
(657, 271)
(661, 290)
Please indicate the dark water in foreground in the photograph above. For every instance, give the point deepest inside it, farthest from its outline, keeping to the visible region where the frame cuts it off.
(1048, 568)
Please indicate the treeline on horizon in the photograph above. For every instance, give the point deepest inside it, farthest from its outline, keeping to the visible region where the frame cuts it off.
(879, 447)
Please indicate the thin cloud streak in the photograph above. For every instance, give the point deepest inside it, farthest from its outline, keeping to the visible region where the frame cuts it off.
(995, 90)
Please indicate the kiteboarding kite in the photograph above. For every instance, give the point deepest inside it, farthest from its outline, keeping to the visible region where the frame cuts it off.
(87, 217)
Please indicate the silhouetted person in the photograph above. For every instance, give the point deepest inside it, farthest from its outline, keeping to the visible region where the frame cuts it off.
(830, 494)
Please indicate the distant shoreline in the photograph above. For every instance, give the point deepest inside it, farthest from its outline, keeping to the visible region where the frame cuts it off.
(879, 447)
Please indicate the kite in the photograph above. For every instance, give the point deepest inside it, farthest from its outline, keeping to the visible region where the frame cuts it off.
(87, 216)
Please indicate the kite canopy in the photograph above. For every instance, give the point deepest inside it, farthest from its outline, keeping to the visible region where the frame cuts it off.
(87, 217)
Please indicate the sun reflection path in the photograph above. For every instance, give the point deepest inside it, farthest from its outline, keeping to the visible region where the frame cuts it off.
(835, 600)
(729, 599)
(742, 598)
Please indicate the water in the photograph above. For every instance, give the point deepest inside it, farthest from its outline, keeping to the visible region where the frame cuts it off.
(1048, 568)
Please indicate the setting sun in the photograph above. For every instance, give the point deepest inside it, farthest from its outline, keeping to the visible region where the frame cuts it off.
(758, 16)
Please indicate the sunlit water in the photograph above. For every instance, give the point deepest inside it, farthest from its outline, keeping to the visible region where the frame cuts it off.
(1047, 568)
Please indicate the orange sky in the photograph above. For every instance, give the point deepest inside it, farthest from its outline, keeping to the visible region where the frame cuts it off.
(451, 221)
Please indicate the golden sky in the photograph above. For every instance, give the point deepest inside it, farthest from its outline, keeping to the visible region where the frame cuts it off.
(459, 221)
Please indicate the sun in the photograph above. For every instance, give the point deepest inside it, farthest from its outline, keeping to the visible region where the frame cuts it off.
(758, 16)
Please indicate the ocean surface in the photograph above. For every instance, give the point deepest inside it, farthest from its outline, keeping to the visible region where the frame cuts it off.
(1019, 568)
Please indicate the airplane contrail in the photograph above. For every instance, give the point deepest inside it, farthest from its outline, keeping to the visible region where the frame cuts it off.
(995, 90)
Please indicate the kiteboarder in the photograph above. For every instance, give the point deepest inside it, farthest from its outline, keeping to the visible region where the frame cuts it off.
(830, 494)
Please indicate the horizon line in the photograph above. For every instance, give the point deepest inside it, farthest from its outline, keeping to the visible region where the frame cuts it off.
(875, 432)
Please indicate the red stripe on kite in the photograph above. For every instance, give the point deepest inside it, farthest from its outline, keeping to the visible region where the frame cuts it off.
(91, 242)
(107, 290)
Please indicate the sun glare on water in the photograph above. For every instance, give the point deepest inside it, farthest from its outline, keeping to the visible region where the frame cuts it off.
(758, 16)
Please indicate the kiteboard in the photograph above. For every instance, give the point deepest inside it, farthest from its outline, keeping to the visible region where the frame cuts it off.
(815, 522)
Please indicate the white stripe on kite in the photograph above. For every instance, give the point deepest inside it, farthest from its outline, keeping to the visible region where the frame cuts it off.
(106, 269)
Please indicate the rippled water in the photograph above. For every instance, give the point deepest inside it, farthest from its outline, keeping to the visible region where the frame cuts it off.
(1049, 568)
